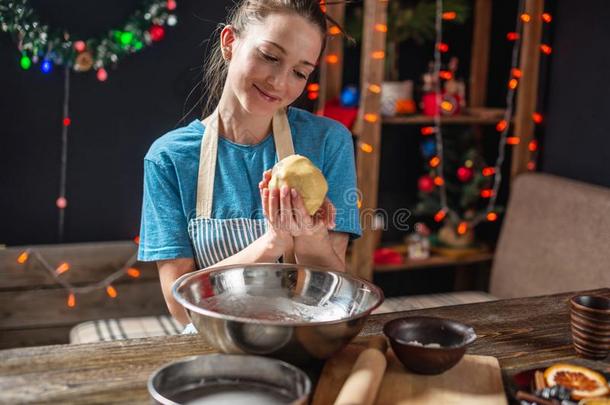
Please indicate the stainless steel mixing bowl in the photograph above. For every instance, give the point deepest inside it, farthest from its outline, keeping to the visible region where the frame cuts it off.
(229, 379)
(292, 312)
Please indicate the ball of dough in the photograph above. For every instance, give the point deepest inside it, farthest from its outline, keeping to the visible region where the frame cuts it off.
(298, 172)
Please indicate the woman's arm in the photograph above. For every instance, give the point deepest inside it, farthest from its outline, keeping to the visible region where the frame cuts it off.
(170, 271)
(263, 250)
(326, 251)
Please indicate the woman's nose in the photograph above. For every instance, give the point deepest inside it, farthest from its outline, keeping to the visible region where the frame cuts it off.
(278, 79)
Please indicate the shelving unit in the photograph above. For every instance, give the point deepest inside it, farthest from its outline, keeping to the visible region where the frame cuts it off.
(434, 261)
(368, 126)
(482, 116)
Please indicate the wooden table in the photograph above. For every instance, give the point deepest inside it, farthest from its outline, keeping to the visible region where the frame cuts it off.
(522, 333)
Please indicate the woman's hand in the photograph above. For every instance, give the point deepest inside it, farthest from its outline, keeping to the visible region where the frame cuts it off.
(277, 234)
(285, 210)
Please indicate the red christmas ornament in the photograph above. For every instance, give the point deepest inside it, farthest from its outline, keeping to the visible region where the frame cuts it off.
(157, 33)
(425, 184)
(61, 203)
(102, 75)
(171, 4)
(80, 46)
(464, 174)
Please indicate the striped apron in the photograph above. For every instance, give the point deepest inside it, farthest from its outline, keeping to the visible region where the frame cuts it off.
(215, 239)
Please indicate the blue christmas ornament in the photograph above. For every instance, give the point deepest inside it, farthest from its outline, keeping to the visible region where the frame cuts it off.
(349, 96)
(46, 66)
(428, 148)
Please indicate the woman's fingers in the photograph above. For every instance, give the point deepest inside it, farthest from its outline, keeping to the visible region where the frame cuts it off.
(331, 213)
(265, 181)
(286, 210)
(303, 220)
(274, 206)
(265, 201)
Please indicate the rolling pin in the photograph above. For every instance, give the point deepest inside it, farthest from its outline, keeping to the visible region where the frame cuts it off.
(364, 380)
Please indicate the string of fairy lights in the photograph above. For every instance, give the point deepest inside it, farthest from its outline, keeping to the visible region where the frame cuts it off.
(55, 272)
(503, 126)
(37, 43)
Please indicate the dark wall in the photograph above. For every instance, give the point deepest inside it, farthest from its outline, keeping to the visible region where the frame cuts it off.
(113, 124)
(577, 134)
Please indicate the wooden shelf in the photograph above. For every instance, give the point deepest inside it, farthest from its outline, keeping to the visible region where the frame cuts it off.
(483, 116)
(435, 261)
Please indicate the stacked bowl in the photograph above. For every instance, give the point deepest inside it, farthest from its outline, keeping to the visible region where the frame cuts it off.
(590, 322)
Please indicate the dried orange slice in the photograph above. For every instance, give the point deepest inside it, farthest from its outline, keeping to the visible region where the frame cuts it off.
(594, 401)
(584, 382)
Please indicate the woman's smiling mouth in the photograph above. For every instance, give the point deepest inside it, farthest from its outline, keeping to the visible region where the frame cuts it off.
(266, 96)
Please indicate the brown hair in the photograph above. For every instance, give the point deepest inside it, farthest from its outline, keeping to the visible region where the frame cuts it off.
(244, 13)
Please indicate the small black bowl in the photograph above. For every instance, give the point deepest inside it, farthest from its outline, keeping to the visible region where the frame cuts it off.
(453, 337)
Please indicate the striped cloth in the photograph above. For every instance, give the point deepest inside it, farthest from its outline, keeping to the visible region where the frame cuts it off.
(124, 328)
(407, 303)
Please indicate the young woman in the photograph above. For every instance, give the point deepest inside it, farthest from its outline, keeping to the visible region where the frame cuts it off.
(206, 200)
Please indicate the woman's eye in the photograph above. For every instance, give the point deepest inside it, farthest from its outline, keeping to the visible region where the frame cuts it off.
(269, 57)
(300, 75)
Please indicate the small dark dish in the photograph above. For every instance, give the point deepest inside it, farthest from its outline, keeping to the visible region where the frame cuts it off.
(453, 337)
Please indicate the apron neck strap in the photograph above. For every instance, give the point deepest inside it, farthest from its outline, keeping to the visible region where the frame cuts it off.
(282, 136)
(284, 147)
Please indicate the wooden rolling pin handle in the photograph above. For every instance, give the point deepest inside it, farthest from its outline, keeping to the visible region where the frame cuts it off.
(364, 380)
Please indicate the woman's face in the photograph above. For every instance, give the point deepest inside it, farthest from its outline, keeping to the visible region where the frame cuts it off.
(271, 62)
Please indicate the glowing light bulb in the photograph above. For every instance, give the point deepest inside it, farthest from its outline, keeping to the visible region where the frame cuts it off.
(102, 75)
(367, 148)
(462, 228)
(46, 66)
(71, 300)
(25, 62)
(23, 257)
(375, 88)
(443, 47)
(488, 171)
(133, 272)
(332, 59)
(501, 125)
(370, 117)
(428, 130)
(62, 268)
(111, 291)
(440, 215)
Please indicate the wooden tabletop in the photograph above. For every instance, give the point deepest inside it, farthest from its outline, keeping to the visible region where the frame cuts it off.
(522, 333)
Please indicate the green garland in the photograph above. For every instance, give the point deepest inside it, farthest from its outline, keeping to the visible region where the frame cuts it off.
(36, 42)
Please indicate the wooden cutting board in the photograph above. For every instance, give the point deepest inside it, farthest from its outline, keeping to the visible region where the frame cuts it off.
(475, 380)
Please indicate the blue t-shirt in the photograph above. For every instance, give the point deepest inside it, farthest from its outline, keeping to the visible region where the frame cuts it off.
(170, 180)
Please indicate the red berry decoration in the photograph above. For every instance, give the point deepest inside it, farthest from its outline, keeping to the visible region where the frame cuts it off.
(157, 33)
(80, 46)
(425, 184)
(464, 174)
